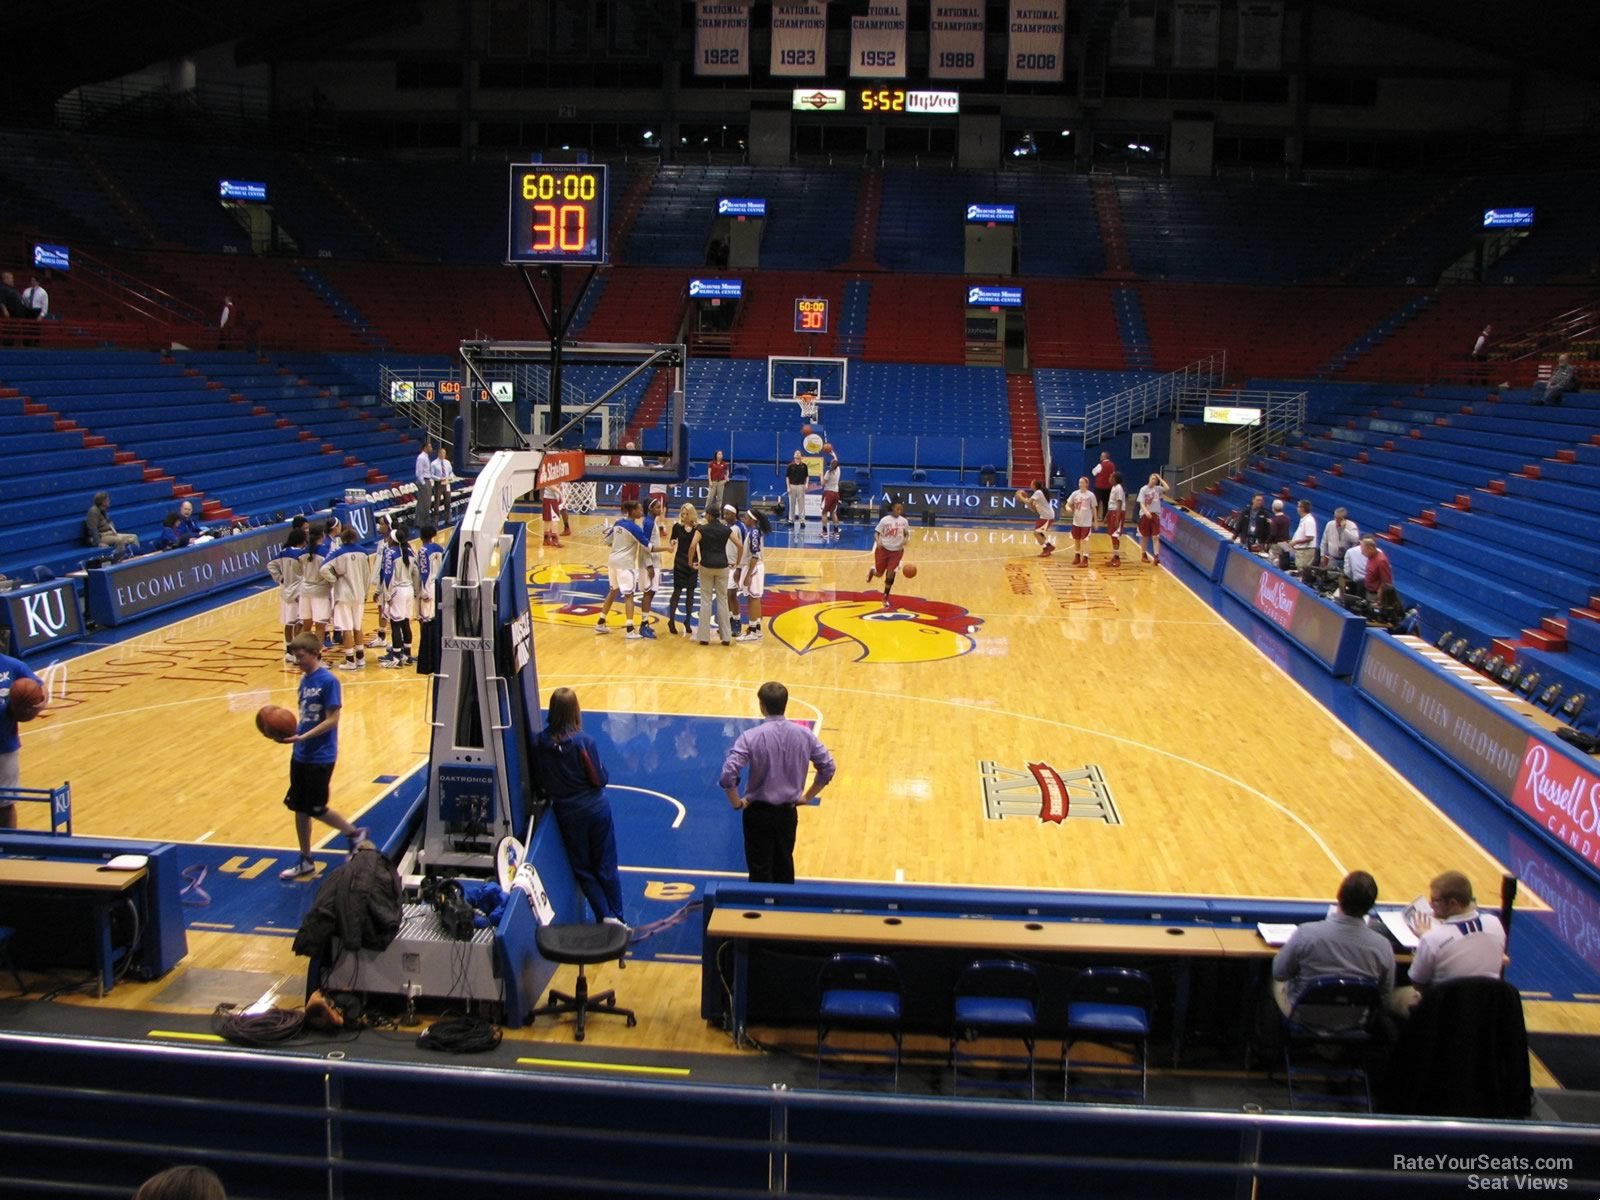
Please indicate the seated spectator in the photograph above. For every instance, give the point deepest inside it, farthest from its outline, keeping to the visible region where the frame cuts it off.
(98, 529)
(1380, 572)
(1278, 530)
(1253, 526)
(1354, 568)
(1457, 942)
(187, 525)
(1304, 541)
(171, 535)
(1562, 380)
(1339, 536)
(11, 302)
(1342, 944)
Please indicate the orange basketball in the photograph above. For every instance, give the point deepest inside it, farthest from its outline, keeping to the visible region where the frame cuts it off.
(909, 570)
(805, 429)
(276, 723)
(27, 699)
(827, 447)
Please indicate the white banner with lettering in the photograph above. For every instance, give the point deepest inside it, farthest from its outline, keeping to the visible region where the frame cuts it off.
(955, 40)
(878, 41)
(799, 37)
(722, 37)
(1036, 45)
(1196, 26)
(1133, 38)
(1260, 36)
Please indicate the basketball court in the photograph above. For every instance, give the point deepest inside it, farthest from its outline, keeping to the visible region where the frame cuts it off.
(1008, 721)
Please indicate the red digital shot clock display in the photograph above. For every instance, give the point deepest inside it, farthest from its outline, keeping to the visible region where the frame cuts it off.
(557, 213)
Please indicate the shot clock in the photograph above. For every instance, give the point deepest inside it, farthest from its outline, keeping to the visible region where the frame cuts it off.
(811, 314)
(558, 213)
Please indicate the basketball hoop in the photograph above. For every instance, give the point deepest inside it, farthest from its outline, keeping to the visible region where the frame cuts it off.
(808, 406)
(578, 498)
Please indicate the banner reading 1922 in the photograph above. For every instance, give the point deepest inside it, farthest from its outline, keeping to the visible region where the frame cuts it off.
(722, 37)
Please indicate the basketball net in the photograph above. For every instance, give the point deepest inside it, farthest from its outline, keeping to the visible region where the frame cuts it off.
(578, 498)
(808, 406)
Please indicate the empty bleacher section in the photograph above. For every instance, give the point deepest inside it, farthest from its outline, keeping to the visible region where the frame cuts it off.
(44, 185)
(1072, 323)
(917, 320)
(1286, 332)
(229, 431)
(766, 314)
(808, 224)
(638, 306)
(433, 312)
(1489, 545)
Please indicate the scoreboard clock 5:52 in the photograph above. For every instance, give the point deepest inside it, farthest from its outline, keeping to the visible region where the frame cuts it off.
(557, 213)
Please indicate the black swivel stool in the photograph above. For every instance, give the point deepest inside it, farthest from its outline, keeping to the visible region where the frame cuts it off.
(582, 945)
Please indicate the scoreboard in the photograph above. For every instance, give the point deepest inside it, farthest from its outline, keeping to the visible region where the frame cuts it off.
(558, 213)
(876, 100)
(811, 314)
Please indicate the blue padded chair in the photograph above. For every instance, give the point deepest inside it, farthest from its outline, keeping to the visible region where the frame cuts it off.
(43, 574)
(859, 992)
(1108, 1006)
(1327, 1030)
(6, 934)
(994, 998)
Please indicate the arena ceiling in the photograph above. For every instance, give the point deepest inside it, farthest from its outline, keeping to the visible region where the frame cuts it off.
(66, 43)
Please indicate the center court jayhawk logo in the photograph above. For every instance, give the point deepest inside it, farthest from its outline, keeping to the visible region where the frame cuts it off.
(807, 620)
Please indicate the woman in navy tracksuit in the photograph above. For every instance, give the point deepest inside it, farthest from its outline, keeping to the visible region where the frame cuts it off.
(574, 779)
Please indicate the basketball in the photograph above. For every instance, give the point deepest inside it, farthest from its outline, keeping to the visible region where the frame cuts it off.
(827, 447)
(909, 570)
(276, 723)
(805, 429)
(27, 700)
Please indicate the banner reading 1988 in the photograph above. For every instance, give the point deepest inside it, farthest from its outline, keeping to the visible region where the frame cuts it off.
(1036, 48)
(955, 39)
(722, 37)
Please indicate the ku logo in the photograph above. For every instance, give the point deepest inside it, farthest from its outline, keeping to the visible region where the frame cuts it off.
(46, 613)
(360, 522)
(854, 626)
(1044, 794)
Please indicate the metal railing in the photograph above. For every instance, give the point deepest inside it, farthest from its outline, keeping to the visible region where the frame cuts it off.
(1141, 403)
(1283, 418)
(419, 396)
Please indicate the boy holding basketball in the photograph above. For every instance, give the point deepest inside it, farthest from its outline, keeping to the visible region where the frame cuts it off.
(316, 749)
(12, 672)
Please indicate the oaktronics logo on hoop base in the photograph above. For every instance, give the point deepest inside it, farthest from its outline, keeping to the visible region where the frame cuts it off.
(1042, 793)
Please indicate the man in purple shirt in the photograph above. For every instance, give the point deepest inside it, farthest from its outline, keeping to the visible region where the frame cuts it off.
(776, 751)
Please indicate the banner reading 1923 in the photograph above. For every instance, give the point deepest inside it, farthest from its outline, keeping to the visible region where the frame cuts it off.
(799, 37)
(878, 41)
(1037, 47)
(722, 37)
(955, 39)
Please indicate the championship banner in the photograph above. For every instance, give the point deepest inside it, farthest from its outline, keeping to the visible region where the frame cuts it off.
(1133, 38)
(956, 40)
(1196, 28)
(878, 41)
(1260, 36)
(722, 37)
(1036, 49)
(799, 38)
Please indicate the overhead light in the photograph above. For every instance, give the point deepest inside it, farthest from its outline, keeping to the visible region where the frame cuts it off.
(648, 134)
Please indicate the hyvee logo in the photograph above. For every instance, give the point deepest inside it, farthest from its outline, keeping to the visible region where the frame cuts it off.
(46, 613)
(1276, 598)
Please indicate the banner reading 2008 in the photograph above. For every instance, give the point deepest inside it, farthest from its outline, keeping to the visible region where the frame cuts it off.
(722, 37)
(1037, 47)
(955, 39)
(799, 37)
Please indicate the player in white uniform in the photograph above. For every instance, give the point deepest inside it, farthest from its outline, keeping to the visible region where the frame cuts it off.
(626, 537)
(889, 547)
(830, 495)
(285, 569)
(652, 563)
(1150, 519)
(1082, 504)
(1116, 514)
(752, 575)
(1044, 516)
